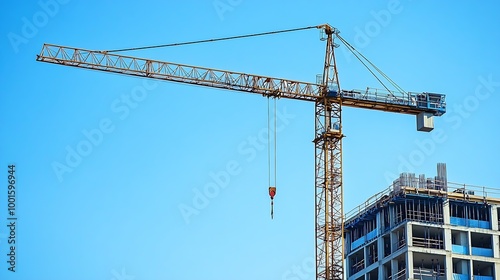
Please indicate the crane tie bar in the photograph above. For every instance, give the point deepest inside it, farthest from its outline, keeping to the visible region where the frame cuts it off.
(212, 40)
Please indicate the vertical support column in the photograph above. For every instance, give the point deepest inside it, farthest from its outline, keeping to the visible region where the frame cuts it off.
(378, 222)
(365, 257)
(391, 215)
(409, 264)
(447, 230)
(380, 249)
(381, 270)
(380, 253)
(409, 234)
(328, 174)
(469, 242)
(495, 246)
(394, 241)
(394, 267)
(471, 267)
(497, 269)
(447, 238)
(494, 217)
(347, 244)
(448, 265)
(446, 212)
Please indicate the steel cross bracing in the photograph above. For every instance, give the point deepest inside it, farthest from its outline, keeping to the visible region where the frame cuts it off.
(328, 98)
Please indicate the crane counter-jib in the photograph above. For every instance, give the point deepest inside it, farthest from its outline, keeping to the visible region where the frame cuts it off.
(375, 99)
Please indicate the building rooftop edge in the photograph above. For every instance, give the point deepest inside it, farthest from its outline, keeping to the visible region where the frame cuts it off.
(452, 191)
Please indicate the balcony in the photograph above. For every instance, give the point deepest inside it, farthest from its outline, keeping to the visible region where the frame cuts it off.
(401, 275)
(358, 242)
(428, 243)
(357, 267)
(477, 277)
(371, 235)
(363, 239)
(429, 274)
(485, 252)
(470, 223)
(479, 224)
(459, 249)
(457, 276)
(399, 244)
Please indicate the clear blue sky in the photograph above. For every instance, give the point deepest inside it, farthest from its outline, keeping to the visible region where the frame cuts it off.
(116, 212)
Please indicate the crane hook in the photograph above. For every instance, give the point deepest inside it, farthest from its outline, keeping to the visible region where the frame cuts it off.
(272, 193)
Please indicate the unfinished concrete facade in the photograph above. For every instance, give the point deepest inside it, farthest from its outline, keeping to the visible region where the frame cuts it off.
(425, 228)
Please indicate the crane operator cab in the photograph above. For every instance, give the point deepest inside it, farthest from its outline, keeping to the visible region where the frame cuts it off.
(332, 90)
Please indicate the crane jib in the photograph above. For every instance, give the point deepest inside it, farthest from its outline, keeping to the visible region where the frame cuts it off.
(374, 99)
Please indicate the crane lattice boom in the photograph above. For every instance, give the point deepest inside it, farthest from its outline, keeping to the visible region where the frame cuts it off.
(267, 86)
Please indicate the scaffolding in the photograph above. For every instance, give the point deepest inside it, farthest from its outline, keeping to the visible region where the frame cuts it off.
(430, 210)
(435, 188)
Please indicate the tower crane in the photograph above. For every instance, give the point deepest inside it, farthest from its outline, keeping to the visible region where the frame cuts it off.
(327, 97)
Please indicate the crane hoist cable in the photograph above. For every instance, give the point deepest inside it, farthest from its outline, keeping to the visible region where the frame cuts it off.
(272, 140)
(271, 150)
(212, 40)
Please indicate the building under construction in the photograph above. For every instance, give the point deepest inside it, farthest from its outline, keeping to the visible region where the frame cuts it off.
(425, 228)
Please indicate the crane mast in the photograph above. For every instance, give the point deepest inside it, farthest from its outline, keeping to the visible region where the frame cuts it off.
(328, 98)
(328, 171)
